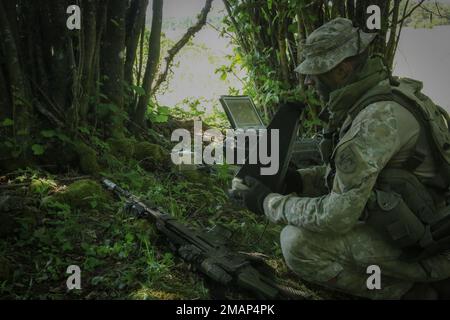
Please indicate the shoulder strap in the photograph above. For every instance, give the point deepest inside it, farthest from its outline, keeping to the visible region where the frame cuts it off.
(356, 109)
(353, 112)
(419, 153)
(420, 149)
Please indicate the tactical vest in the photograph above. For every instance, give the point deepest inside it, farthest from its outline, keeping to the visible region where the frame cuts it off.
(411, 212)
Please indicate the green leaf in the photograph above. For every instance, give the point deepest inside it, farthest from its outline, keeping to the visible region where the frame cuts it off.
(115, 22)
(164, 110)
(93, 203)
(161, 118)
(48, 133)
(83, 130)
(67, 246)
(22, 132)
(139, 90)
(293, 28)
(38, 149)
(106, 108)
(62, 137)
(129, 237)
(7, 122)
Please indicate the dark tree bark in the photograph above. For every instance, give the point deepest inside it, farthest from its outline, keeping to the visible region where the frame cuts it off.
(282, 46)
(141, 57)
(135, 22)
(391, 43)
(152, 64)
(101, 16)
(5, 99)
(351, 9)
(89, 38)
(60, 75)
(20, 107)
(113, 58)
(340, 7)
(360, 14)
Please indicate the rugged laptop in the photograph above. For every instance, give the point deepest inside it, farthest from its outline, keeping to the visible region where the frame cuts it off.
(241, 112)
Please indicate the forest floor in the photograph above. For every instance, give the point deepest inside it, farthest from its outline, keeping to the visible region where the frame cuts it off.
(50, 221)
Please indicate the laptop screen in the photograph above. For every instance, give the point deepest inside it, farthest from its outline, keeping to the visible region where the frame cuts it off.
(241, 112)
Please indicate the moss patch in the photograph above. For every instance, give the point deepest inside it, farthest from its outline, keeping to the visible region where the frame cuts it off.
(41, 186)
(5, 269)
(122, 148)
(87, 158)
(83, 194)
(151, 156)
(149, 294)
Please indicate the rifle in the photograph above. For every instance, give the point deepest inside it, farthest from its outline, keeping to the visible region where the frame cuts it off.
(208, 252)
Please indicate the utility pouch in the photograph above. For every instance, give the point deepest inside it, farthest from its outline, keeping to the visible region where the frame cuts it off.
(439, 240)
(389, 215)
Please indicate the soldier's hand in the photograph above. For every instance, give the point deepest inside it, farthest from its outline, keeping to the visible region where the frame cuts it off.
(255, 194)
(293, 182)
(236, 193)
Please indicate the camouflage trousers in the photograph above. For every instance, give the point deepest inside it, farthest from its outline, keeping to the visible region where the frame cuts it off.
(340, 262)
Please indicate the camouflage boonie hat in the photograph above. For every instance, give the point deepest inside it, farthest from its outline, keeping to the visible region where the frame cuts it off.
(330, 44)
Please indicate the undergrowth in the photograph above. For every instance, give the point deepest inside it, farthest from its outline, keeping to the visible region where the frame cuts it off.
(60, 220)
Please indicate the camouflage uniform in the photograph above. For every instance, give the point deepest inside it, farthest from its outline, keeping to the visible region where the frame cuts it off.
(325, 241)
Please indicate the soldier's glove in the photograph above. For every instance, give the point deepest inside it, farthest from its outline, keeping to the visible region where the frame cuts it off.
(293, 182)
(236, 193)
(255, 195)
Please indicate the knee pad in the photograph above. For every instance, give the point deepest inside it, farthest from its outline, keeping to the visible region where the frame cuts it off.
(303, 257)
(291, 243)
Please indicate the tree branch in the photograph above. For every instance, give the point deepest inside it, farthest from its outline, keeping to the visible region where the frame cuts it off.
(432, 12)
(182, 42)
(419, 4)
(242, 41)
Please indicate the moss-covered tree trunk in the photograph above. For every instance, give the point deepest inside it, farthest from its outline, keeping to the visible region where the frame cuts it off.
(60, 87)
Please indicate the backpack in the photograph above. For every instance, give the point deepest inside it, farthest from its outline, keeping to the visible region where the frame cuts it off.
(411, 224)
(434, 120)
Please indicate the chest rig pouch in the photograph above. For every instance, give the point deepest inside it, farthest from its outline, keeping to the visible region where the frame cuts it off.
(404, 212)
(412, 214)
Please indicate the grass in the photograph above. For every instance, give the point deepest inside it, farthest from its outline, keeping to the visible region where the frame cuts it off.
(120, 256)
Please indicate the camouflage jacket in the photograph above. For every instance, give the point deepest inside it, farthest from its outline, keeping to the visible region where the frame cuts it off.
(382, 133)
